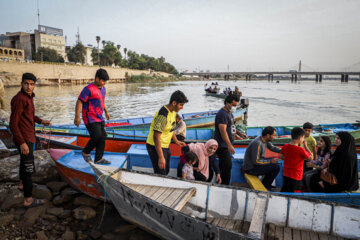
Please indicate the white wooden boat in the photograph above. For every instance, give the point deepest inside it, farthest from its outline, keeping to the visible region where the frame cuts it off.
(175, 209)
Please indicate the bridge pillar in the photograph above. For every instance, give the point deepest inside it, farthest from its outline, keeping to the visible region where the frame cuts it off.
(320, 77)
(292, 77)
(316, 77)
(295, 77)
(269, 77)
(272, 77)
(342, 78)
(346, 78)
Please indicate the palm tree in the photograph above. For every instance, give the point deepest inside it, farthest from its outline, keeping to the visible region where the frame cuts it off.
(118, 47)
(103, 43)
(98, 40)
(125, 51)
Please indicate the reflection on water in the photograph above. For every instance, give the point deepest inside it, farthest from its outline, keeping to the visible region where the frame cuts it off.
(270, 103)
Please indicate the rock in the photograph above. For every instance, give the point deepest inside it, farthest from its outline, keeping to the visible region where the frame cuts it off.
(32, 214)
(41, 192)
(68, 235)
(65, 214)
(6, 219)
(4, 116)
(49, 217)
(55, 211)
(41, 235)
(56, 187)
(44, 165)
(14, 199)
(81, 236)
(95, 234)
(84, 213)
(60, 228)
(110, 236)
(86, 201)
(60, 199)
(124, 228)
(69, 191)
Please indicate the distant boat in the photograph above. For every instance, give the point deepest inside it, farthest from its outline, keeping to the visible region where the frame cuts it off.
(171, 208)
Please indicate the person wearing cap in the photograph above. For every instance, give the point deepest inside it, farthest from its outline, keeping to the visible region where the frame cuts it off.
(180, 129)
(22, 126)
(92, 103)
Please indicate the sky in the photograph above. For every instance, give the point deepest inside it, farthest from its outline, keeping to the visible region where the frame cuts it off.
(234, 35)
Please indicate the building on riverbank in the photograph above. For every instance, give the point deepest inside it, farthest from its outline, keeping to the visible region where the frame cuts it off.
(44, 36)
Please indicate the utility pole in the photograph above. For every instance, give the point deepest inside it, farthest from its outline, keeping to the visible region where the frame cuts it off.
(38, 14)
(299, 71)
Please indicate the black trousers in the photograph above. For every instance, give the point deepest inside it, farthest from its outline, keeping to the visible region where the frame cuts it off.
(155, 159)
(27, 168)
(97, 139)
(270, 171)
(290, 185)
(225, 165)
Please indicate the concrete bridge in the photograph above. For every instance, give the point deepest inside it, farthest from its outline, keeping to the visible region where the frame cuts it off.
(295, 76)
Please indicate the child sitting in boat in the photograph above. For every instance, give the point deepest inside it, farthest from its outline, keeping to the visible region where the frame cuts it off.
(188, 169)
(322, 161)
(293, 156)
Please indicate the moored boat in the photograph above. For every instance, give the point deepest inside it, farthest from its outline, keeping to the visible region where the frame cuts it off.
(177, 209)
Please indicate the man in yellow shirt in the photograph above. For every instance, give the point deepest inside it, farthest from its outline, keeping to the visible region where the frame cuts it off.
(162, 131)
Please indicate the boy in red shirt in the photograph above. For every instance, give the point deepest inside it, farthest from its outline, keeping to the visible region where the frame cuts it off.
(293, 156)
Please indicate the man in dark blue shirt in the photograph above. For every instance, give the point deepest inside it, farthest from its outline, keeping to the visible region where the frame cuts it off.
(225, 131)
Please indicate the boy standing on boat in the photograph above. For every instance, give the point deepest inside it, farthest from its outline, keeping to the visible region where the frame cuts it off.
(162, 131)
(311, 142)
(92, 103)
(225, 131)
(22, 126)
(255, 162)
(294, 156)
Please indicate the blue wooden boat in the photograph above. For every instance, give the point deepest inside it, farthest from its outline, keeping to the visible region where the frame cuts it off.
(137, 159)
(192, 120)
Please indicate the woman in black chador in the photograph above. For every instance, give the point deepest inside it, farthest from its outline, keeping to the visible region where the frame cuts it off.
(343, 165)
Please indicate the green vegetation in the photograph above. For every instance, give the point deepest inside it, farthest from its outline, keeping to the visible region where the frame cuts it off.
(77, 53)
(47, 55)
(111, 55)
(147, 78)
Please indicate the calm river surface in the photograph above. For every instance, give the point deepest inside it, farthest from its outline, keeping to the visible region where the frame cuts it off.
(284, 103)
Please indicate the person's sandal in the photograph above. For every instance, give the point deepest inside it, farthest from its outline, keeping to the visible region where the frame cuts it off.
(103, 161)
(87, 157)
(37, 202)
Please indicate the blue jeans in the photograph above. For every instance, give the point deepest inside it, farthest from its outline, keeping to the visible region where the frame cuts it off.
(270, 171)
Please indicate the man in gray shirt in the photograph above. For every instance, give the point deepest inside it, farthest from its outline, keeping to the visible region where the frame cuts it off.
(255, 162)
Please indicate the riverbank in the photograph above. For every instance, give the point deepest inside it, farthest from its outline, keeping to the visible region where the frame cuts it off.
(62, 74)
(67, 214)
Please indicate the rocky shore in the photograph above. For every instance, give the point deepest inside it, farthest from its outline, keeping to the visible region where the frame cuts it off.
(67, 213)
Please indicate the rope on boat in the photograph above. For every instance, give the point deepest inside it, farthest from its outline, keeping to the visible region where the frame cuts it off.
(46, 133)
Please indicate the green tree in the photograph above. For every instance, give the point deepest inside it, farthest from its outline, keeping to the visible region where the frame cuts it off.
(47, 55)
(77, 53)
(110, 55)
(95, 56)
(98, 51)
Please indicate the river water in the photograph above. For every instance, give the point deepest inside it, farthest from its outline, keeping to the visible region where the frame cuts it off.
(283, 103)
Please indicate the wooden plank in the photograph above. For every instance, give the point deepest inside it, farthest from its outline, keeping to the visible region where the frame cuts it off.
(271, 232)
(149, 191)
(153, 191)
(216, 221)
(179, 198)
(296, 234)
(158, 193)
(287, 233)
(323, 236)
(279, 232)
(167, 193)
(238, 226)
(223, 222)
(144, 190)
(245, 227)
(230, 224)
(305, 235)
(173, 197)
(314, 236)
(255, 182)
(258, 218)
(266, 232)
(191, 192)
(210, 220)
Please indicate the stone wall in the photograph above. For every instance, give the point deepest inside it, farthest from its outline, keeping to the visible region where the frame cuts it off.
(60, 73)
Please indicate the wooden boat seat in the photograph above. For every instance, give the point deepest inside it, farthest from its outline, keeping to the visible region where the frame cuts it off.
(255, 182)
(175, 198)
